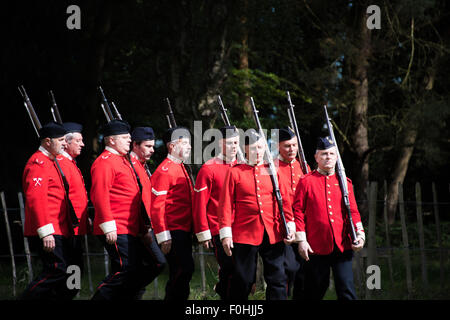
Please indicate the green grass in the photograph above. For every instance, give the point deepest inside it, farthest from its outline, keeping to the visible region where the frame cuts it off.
(395, 289)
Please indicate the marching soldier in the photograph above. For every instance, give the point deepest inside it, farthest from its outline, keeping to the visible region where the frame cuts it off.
(142, 146)
(290, 171)
(172, 194)
(120, 204)
(250, 222)
(209, 185)
(47, 222)
(322, 227)
(77, 189)
(142, 142)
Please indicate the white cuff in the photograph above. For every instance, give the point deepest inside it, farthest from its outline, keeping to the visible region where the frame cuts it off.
(163, 236)
(359, 227)
(300, 236)
(362, 235)
(45, 230)
(225, 232)
(108, 226)
(291, 226)
(203, 236)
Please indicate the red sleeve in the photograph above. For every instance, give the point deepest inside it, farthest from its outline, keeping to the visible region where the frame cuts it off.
(102, 180)
(160, 186)
(202, 194)
(354, 210)
(35, 184)
(226, 205)
(287, 204)
(299, 205)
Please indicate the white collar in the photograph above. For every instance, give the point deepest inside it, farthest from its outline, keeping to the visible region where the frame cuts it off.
(256, 164)
(173, 158)
(65, 154)
(325, 173)
(45, 151)
(113, 151)
(133, 154)
(221, 156)
(286, 161)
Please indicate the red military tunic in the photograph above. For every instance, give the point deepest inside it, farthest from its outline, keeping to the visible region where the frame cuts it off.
(290, 174)
(248, 196)
(172, 194)
(208, 187)
(115, 194)
(46, 206)
(77, 190)
(320, 213)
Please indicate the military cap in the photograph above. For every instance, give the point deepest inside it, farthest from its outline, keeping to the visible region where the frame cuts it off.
(324, 143)
(115, 127)
(142, 133)
(52, 130)
(73, 127)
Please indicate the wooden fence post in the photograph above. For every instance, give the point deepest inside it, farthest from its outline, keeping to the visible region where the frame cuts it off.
(371, 241)
(401, 205)
(11, 250)
(106, 261)
(386, 230)
(438, 233)
(25, 239)
(202, 267)
(421, 235)
(88, 263)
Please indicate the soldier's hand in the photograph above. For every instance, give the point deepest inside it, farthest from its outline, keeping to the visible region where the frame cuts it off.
(290, 238)
(111, 237)
(166, 246)
(48, 243)
(359, 244)
(147, 238)
(227, 244)
(206, 244)
(304, 249)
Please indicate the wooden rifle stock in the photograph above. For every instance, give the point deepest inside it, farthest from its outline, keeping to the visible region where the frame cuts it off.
(54, 108)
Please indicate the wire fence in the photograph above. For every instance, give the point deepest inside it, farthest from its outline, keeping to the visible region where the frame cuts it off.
(398, 248)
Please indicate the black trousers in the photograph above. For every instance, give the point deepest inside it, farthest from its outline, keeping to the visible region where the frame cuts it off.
(51, 283)
(298, 290)
(181, 266)
(291, 266)
(317, 275)
(244, 262)
(225, 269)
(133, 266)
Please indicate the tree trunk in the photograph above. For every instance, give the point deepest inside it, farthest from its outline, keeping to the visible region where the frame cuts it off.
(359, 134)
(243, 59)
(94, 118)
(409, 137)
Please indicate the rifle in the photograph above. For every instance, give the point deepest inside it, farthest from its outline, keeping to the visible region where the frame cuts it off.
(105, 106)
(37, 125)
(272, 169)
(170, 116)
(340, 170)
(301, 154)
(54, 108)
(226, 121)
(172, 124)
(109, 117)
